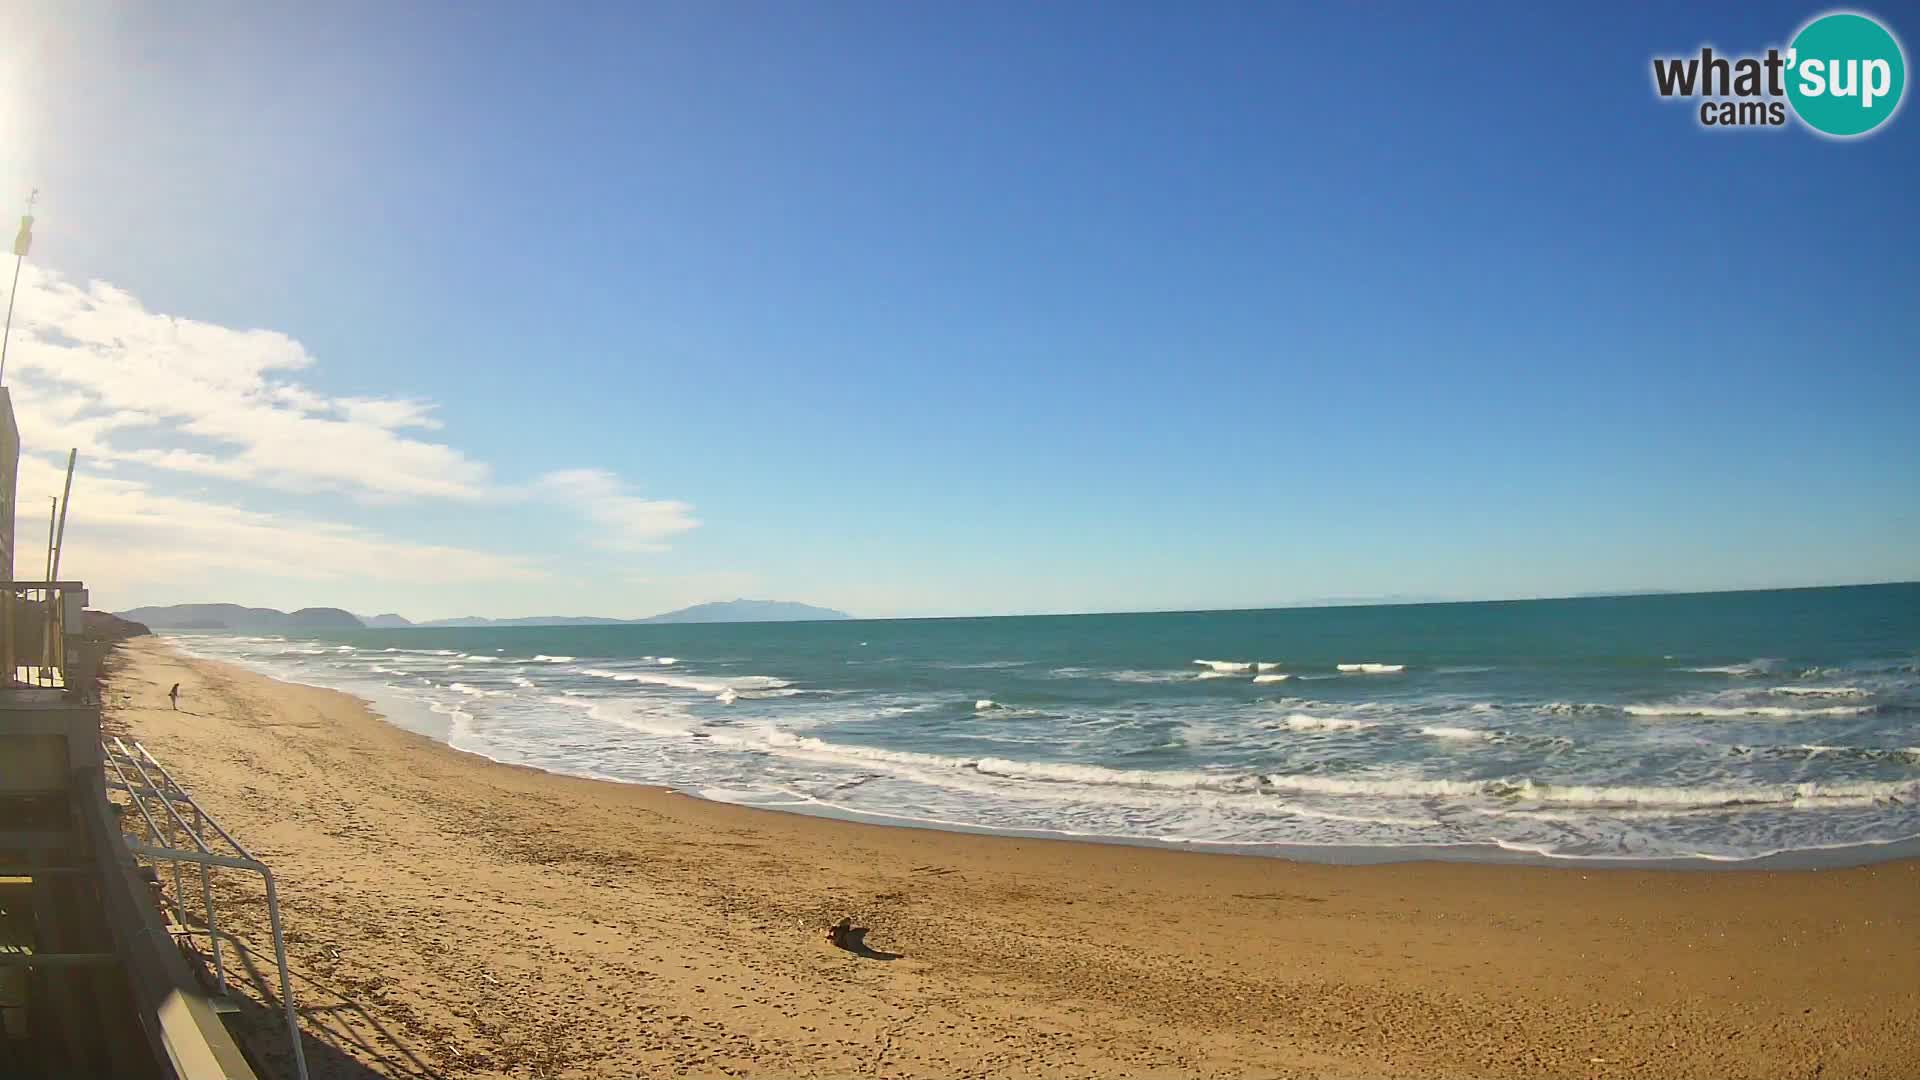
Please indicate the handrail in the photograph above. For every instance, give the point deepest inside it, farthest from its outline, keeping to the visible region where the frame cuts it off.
(169, 793)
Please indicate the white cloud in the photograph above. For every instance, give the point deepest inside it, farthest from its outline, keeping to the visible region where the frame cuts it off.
(93, 368)
(92, 362)
(624, 521)
(122, 534)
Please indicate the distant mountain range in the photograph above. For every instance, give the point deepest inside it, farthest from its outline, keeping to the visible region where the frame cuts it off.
(235, 617)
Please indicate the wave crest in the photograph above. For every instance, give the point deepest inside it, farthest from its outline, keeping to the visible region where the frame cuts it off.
(1304, 722)
(1726, 712)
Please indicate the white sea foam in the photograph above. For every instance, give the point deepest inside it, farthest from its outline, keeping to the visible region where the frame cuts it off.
(1266, 665)
(1819, 691)
(459, 722)
(655, 718)
(1271, 678)
(1371, 668)
(523, 682)
(1226, 666)
(727, 696)
(1803, 796)
(1515, 791)
(1750, 668)
(1215, 675)
(1771, 712)
(688, 682)
(1304, 722)
(543, 658)
(1402, 787)
(667, 661)
(1442, 732)
(986, 704)
(1102, 776)
(1851, 753)
(807, 745)
(1146, 676)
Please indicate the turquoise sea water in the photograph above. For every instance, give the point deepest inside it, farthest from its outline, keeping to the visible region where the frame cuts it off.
(1718, 726)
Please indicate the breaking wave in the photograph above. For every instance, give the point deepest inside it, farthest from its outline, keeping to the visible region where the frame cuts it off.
(1519, 790)
(1771, 712)
(1443, 732)
(1746, 670)
(688, 682)
(1304, 722)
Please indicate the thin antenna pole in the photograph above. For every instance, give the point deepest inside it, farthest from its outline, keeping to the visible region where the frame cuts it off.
(20, 256)
(55, 657)
(53, 572)
(53, 512)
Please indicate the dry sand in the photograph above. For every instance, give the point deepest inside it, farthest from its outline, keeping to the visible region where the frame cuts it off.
(453, 917)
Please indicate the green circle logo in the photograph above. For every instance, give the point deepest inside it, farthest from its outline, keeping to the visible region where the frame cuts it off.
(1845, 74)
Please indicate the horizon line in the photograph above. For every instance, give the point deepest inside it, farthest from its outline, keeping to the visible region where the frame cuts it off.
(1316, 603)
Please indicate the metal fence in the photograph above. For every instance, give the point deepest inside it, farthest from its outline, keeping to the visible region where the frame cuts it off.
(159, 800)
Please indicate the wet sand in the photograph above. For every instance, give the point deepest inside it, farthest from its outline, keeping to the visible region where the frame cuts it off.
(450, 916)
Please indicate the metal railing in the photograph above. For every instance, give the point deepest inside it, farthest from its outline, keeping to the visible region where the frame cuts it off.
(150, 783)
(36, 618)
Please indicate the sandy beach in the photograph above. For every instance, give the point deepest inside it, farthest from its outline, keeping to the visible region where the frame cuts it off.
(449, 916)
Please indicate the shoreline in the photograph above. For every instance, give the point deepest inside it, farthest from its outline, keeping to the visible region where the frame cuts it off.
(453, 916)
(1473, 853)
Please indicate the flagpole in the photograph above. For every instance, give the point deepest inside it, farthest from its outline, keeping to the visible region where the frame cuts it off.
(19, 257)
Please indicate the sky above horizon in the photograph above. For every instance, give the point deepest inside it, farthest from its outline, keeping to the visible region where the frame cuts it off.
(926, 310)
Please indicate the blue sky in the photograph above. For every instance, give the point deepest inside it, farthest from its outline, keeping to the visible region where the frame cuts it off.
(923, 309)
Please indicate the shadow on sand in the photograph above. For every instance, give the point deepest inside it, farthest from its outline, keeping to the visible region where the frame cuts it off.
(332, 1026)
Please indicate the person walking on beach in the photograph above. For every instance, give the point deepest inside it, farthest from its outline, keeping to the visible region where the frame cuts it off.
(173, 695)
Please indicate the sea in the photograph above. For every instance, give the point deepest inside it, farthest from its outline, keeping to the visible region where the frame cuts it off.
(1721, 729)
